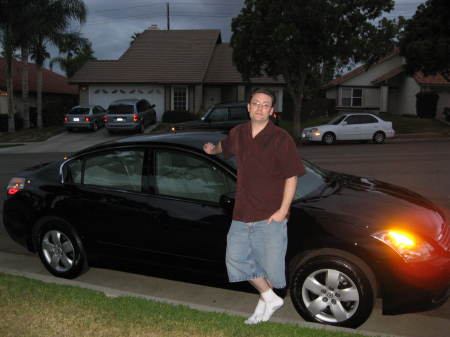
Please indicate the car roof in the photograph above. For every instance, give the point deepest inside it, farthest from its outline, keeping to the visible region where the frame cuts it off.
(193, 139)
(84, 106)
(125, 101)
(357, 113)
(230, 104)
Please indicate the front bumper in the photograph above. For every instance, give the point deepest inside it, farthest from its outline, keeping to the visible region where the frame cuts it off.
(308, 136)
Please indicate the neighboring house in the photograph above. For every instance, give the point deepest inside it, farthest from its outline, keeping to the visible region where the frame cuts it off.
(385, 87)
(57, 93)
(174, 69)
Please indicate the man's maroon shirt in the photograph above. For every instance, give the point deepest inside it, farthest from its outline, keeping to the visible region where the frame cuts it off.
(263, 165)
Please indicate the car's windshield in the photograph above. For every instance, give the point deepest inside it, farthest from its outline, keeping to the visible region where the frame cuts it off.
(79, 111)
(312, 181)
(337, 120)
(120, 109)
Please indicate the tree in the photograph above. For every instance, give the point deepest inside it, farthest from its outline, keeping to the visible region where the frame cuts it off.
(134, 37)
(53, 18)
(425, 42)
(78, 51)
(303, 39)
(11, 19)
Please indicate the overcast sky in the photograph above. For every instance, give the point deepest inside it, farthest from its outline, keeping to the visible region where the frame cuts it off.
(111, 23)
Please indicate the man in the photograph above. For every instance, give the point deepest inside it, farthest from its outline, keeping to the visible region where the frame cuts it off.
(268, 166)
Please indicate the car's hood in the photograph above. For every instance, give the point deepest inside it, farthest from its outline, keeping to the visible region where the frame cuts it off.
(372, 205)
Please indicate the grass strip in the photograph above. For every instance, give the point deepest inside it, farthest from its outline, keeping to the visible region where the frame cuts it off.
(31, 135)
(9, 145)
(30, 308)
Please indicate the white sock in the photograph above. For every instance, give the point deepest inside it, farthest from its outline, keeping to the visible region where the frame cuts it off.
(257, 315)
(273, 303)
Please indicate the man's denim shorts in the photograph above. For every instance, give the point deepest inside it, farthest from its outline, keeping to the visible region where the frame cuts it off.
(257, 249)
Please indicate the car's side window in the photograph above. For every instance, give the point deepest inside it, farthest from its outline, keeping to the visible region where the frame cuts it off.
(353, 120)
(368, 119)
(183, 175)
(218, 115)
(118, 170)
(238, 113)
(140, 106)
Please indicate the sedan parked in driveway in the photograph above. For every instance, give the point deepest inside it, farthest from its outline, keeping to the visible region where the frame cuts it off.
(350, 126)
(160, 200)
(130, 114)
(85, 117)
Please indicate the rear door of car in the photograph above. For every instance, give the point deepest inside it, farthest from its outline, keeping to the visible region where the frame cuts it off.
(109, 197)
(121, 113)
(369, 125)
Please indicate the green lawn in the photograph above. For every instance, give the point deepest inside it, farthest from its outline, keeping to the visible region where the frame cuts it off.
(31, 135)
(30, 308)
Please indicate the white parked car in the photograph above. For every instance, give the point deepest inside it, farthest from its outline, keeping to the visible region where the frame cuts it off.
(350, 126)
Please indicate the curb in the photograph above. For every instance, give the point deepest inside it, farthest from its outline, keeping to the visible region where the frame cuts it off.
(111, 292)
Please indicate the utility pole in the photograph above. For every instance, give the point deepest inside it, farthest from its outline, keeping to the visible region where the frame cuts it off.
(168, 16)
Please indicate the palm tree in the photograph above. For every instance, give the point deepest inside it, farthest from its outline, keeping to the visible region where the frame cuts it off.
(78, 51)
(53, 18)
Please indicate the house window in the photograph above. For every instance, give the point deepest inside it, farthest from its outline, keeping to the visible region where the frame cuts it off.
(352, 96)
(179, 98)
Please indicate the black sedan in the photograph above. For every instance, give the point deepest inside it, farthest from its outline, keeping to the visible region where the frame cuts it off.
(158, 199)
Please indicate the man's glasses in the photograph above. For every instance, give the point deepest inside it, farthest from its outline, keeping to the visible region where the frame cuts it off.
(265, 106)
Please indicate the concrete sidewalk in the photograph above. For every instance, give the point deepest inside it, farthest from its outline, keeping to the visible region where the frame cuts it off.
(205, 298)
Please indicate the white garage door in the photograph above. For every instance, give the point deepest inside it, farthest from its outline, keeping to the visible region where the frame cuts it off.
(105, 94)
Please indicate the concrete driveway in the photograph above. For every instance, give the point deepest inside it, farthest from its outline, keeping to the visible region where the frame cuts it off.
(68, 142)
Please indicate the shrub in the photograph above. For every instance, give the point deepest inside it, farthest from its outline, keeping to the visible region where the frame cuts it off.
(426, 104)
(177, 116)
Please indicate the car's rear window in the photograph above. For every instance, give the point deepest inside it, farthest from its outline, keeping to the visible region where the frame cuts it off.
(79, 111)
(120, 109)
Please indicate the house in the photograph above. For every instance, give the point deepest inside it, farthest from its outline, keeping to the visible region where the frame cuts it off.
(385, 87)
(186, 70)
(58, 96)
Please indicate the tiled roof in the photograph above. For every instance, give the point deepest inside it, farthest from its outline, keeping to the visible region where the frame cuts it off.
(221, 70)
(157, 56)
(51, 81)
(431, 79)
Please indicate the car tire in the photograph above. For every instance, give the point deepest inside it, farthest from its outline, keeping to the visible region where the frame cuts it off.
(328, 138)
(60, 248)
(141, 128)
(110, 132)
(69, 129)
(331, 290)
(95, 127)
(379, 137)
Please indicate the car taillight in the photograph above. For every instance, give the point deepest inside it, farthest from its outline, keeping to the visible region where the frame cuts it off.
(15, 185)
(87, 119)
(105, 118)
(135, 118)
(66, 119)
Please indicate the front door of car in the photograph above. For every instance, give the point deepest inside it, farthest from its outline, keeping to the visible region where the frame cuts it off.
(350, 128)
(187, 191)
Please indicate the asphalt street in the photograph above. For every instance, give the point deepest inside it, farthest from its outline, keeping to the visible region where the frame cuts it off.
(420, 165)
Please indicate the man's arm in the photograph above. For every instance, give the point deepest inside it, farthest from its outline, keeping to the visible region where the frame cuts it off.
(290, 186)
(210, 148)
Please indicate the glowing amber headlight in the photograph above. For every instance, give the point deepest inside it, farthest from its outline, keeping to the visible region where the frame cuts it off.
(410, 247)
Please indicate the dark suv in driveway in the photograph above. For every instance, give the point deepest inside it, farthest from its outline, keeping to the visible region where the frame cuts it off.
(129, 114)
(220, 116)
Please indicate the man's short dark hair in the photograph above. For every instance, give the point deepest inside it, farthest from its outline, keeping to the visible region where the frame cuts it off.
(266, 92)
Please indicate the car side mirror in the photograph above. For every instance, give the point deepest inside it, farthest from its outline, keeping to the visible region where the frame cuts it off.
(227, 201)
(153, 105)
